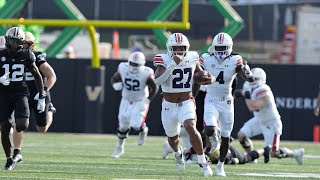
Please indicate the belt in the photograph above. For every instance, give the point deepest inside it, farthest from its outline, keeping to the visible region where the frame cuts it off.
(219, 98)
(179, 104)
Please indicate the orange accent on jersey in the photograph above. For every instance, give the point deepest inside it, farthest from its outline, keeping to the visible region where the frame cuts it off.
(201, 60)
(157, 59)
(239, 62)
(263, 91)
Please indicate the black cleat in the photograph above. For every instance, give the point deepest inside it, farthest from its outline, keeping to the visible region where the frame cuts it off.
(17, 156)
(9, 165)
(267, 154)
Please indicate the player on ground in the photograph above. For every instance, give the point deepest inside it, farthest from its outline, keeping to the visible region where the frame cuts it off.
(138, 88)
(219, 107)
(175, 72)
(44, 119)
(266, 121)
(13, 88)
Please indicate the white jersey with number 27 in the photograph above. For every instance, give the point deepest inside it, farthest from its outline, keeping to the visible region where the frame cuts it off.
(181, 78)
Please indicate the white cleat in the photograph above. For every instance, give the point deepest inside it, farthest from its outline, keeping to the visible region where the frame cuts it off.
(298, 155)
(166, 150)
(220, 171)
(118, 152)
(206, 169)
(180, 160)
(143, 135)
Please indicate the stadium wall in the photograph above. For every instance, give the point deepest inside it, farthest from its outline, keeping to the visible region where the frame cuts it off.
(295, 88)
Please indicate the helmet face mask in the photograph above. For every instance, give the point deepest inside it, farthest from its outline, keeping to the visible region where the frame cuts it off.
(222, 45)
(259, 77)
(136, 61)
(14, 40)
(177, 44)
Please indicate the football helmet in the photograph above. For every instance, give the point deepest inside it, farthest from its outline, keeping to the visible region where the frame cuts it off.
(15, 37)
(29, 40)
(177, 39)
(2, 42)
(221, 45)
(259, 77)
(136, 61)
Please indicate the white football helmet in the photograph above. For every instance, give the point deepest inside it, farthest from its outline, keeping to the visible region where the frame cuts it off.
(177, 39)
(15, 37)
(259, 76)
(136, 61)
(2, 42)
(221, 45)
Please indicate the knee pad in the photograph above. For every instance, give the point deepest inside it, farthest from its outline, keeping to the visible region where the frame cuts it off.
(122, 134)
(246, 142)
(22, 124)
(282, 153)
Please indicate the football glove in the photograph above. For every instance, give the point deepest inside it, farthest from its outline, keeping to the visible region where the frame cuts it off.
(247, 95)
(246, 70)
(5, 80)
(41, 104)
(117, 86)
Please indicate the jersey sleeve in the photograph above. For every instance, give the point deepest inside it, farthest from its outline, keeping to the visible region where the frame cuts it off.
(158, 60)
(262, 91)
(40, 58)
(202, 59)
(238, 60)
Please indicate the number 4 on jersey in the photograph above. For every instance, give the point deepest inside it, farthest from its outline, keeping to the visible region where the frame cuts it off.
(220, 78)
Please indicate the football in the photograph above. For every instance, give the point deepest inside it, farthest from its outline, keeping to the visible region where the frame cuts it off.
(200, 75)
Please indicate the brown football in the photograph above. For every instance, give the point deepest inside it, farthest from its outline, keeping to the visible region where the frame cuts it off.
(200, 75)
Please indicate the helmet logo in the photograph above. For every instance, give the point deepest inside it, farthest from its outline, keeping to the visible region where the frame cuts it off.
(178, 37)
(135, 57)
(220, 38)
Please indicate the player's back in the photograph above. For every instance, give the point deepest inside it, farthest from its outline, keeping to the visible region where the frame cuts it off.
(17, 70)
(135, 87)
(224, 71)
(269, 111)
(181, 78)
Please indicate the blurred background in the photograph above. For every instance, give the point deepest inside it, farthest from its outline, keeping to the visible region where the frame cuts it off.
(281, 36)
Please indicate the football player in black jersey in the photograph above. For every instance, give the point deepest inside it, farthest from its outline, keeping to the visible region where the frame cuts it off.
(14, 60)
(44, 119)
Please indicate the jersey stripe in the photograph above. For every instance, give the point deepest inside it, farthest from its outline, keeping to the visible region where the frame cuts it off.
(263, 91)
(239, 62)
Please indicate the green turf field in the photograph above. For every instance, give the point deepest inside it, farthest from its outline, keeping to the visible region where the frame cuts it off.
(82, 156)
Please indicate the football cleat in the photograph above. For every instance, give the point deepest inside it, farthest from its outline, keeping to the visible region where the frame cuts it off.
(298, 155)
(180, 160)
(166, 150)
(267, 153)
(143, 135)
(220, 170)
(17, 156)
(9, 165)
(118, 152)
(206, 169)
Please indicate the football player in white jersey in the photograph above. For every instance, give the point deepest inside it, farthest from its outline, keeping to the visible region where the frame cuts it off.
(219, 107)
(138, 88)
(175, 72)
(266, 121)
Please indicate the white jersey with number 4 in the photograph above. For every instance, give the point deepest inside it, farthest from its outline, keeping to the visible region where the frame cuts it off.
(134, 84)
(224, 71)
(181, 78)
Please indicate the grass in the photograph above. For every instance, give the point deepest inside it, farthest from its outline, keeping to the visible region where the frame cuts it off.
(87, 156)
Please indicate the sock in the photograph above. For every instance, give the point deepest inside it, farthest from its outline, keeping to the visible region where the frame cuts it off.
(178, 153)
(202, 159)
(220, 163)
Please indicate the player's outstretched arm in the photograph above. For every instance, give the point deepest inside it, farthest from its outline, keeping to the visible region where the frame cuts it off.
(153, 88)
(116, 81)
(49, 73)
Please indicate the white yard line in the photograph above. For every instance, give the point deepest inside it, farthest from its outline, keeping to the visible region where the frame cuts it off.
(290, 175)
